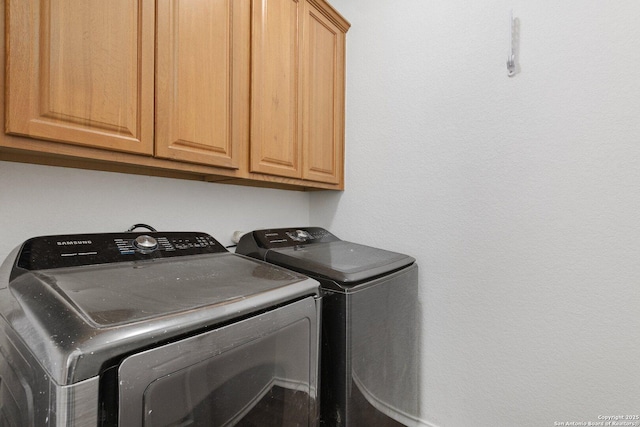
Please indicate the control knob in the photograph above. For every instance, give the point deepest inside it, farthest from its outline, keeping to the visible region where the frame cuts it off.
(145, 243)
(299, 235)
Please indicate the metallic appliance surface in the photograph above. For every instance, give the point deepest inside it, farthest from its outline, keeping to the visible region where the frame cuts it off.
(276, 350)
(317, 252)
(73, 305)
(370, 336)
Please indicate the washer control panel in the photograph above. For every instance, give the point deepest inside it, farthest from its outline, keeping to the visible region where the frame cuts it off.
(284, 237)
(40, 253)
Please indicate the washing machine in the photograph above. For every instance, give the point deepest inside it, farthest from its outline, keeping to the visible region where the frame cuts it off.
(154, 329)
(370, 323)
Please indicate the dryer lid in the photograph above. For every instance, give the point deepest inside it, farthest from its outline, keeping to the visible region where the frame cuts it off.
(110, 295)
(76, 315)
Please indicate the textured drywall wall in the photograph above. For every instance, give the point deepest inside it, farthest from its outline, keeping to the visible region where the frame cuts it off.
(520, 198)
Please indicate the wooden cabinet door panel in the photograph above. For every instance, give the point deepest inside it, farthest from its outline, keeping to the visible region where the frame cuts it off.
(202, 51)
(323, 98)
(82, 72)
(275, 115)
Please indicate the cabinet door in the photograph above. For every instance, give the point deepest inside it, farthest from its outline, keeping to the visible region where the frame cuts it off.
(81, 71)
(202, 80)
(322, 97)
(275, 85)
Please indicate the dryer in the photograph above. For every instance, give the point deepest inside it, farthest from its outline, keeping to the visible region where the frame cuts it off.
(154, 329)
(370, 322)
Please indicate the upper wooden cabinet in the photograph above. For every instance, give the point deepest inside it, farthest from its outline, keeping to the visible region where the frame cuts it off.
(323, 88)
(297, 81)
(275, 117)
(82, 72)
(246, 91)
(202, 80)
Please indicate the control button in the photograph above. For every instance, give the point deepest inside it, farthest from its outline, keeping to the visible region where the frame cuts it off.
(145, 243)
(302, 235)
(299, 235)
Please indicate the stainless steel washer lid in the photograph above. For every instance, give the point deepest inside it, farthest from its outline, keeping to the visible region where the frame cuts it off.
(343, 262)
(74, 319)
(320, 254)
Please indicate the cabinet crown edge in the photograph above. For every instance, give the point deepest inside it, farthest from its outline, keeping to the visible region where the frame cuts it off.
(330, 13)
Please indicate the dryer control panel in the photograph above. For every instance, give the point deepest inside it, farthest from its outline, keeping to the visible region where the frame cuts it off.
(284, 237)
(74, 250)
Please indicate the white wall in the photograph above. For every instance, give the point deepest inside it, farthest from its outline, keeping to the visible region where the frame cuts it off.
(40, 200)
(520, 198)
